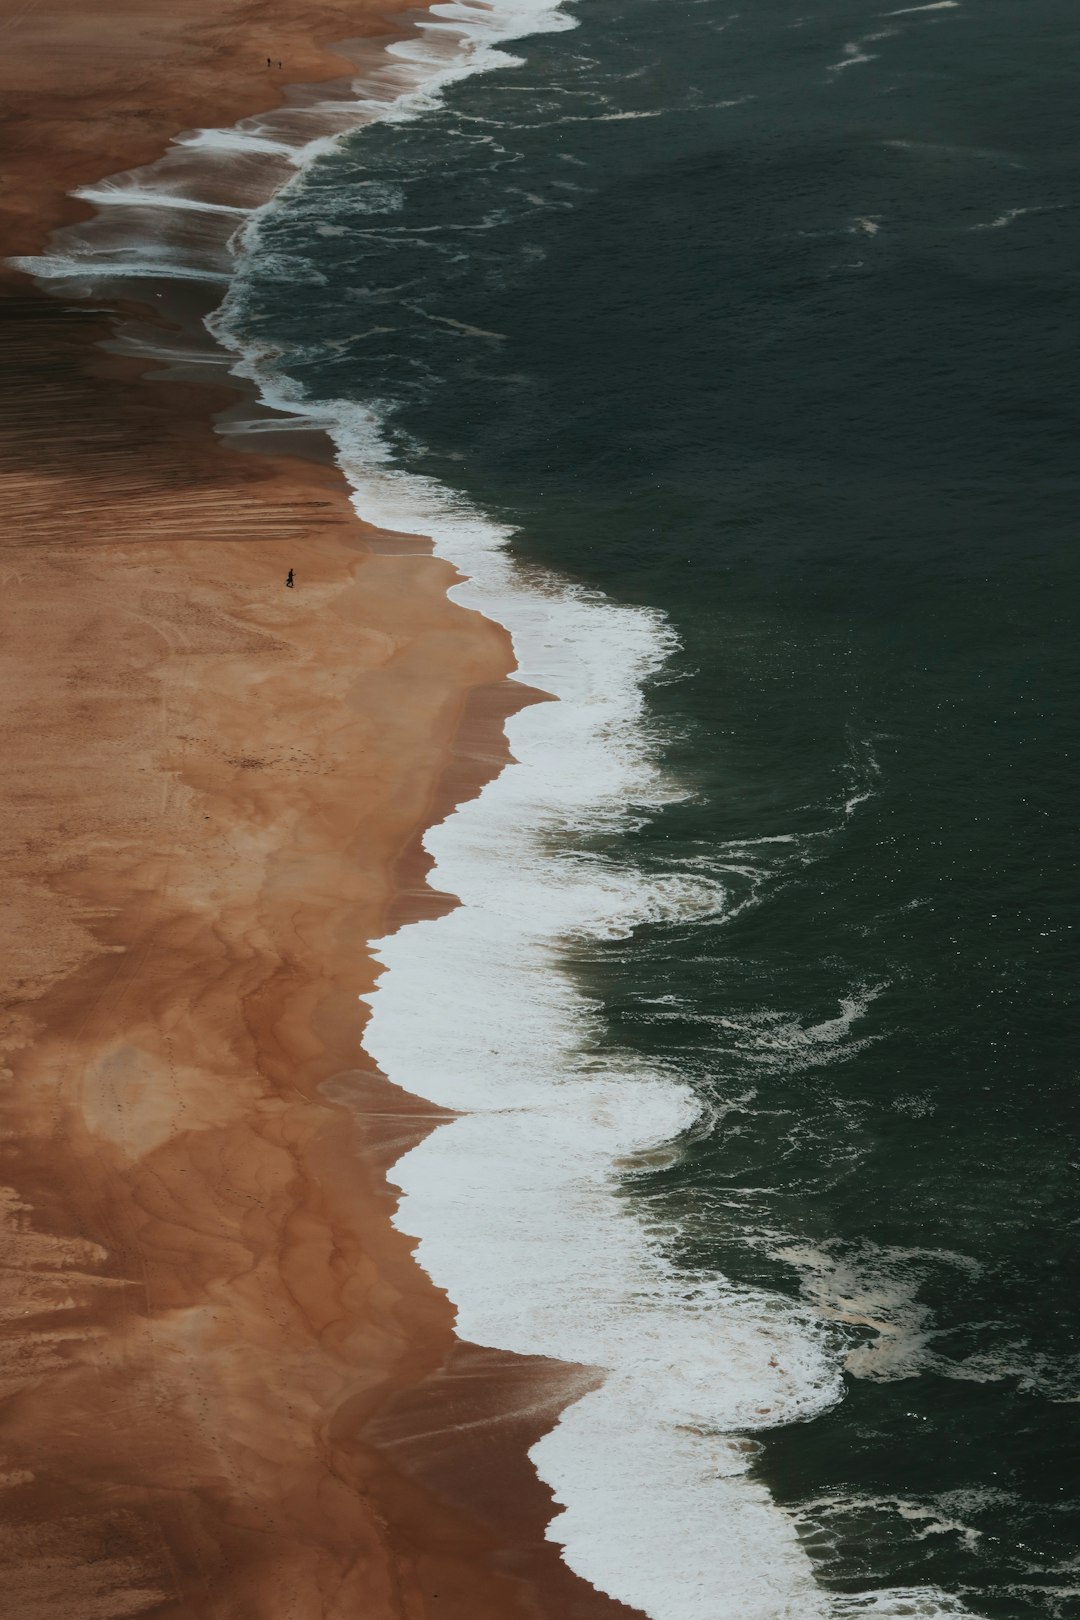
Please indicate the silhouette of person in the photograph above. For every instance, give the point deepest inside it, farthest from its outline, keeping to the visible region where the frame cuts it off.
(268, 62)
(289, 579)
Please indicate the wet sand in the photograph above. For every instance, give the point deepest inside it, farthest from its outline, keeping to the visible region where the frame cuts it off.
(228, 1390)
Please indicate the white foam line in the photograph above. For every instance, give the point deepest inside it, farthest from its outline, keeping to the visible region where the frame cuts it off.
(57, 267)
(236, 140)
(106, 196)
(514, 1201)
(853, 56)
(938, 5)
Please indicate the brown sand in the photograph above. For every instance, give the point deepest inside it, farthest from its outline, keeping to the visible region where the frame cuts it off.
(228, 1390)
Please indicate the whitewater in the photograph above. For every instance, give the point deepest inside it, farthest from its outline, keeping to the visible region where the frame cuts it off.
(519, 1204)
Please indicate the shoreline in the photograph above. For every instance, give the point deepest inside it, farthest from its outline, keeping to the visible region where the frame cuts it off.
(223, 1362)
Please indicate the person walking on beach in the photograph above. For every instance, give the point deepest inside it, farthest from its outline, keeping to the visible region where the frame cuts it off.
(289, 579)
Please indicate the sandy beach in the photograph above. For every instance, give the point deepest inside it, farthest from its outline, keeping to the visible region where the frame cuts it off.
(228, 1389)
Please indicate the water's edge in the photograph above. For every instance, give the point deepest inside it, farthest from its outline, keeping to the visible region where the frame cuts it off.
(513, 1203)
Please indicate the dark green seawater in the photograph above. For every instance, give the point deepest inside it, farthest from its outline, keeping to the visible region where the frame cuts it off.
(767, 320)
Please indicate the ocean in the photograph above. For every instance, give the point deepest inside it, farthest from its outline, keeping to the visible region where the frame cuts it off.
(730, 356)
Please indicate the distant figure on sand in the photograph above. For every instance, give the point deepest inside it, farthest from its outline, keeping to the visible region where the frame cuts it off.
(289, 579)
(268, 62)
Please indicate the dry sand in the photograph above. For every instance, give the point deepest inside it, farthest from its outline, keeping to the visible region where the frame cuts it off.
(228, 1390)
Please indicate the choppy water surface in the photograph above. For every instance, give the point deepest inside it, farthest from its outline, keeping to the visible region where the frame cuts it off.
(761, 325)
